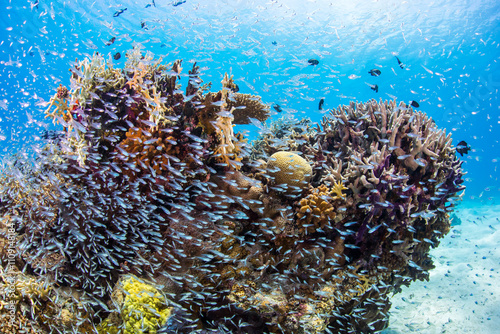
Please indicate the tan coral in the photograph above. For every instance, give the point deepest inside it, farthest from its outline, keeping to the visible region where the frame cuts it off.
(248, 106)
(245, 106)
(289, 171)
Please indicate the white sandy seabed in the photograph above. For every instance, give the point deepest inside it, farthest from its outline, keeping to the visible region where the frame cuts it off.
(463, 291)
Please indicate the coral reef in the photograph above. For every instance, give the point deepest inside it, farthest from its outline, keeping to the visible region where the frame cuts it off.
(150, 213)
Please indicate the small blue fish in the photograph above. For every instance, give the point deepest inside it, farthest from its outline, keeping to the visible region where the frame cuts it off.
(177, 3)
(119, 12)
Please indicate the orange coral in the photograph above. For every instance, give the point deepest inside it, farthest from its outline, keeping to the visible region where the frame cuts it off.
(149, 150)
(316, 210)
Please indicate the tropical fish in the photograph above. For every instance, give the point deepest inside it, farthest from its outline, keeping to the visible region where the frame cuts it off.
(277, 107)
(274, 43)
(463, 148)
(400, 63)
(374, 87)
(117, 56)
(143, 25)
(313, 62)
(375, 72)
(119, 12)
(235, 89)
(414, 104)
(177, 3)
(111, 41)
(321, 102)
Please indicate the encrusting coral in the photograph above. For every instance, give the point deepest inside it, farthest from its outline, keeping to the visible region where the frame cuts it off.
(317, 209)
(141, 309)
(150, 213)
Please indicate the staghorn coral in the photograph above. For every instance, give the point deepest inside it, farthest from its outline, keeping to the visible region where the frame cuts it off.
(148, 181)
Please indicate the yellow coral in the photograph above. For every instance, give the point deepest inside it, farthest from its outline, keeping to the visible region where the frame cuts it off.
(289, 170)
(144, 309)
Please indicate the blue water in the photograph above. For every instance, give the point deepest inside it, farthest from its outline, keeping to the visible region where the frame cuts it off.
(450, 50)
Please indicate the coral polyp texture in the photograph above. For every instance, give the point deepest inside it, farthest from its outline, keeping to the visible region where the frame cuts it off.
(149, 213)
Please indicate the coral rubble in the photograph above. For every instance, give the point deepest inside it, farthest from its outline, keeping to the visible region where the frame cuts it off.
(149, 213)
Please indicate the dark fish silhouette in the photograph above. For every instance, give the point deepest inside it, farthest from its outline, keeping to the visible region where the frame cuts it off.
(463, 148)
(313, 62)
(400, 63)
(235, 89)
(111, 41)
(143, 25)
(52, 134)
(35, 5)
(321, 102)
(414, 104)
(274, 43)
(119, 12)
(177, 3)
(374, 87)
(277, 107)
(117, 56)
(149, 4)
(375, 72)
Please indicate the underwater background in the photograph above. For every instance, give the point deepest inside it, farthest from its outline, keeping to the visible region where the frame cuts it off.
(450, 55)
(450, 49)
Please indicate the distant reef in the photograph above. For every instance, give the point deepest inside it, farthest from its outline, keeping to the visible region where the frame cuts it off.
(147, 213)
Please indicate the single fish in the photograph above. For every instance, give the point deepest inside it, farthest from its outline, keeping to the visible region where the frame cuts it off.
(374, 87)
(274, 43)
(149, 4)
(463, 148)
(414, 104)
(177, 3)
(143, 25)
(321, 102)
(400, 63)
(375, 72)
(111, 41)
(277, 107)
(235, 89)
(313, 62)
(117, 56)
(119, 12)
(35, 5)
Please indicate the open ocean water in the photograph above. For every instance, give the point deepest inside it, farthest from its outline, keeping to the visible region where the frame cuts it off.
(450, 64)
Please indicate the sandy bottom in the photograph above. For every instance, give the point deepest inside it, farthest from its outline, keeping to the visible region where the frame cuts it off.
(463, 292)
